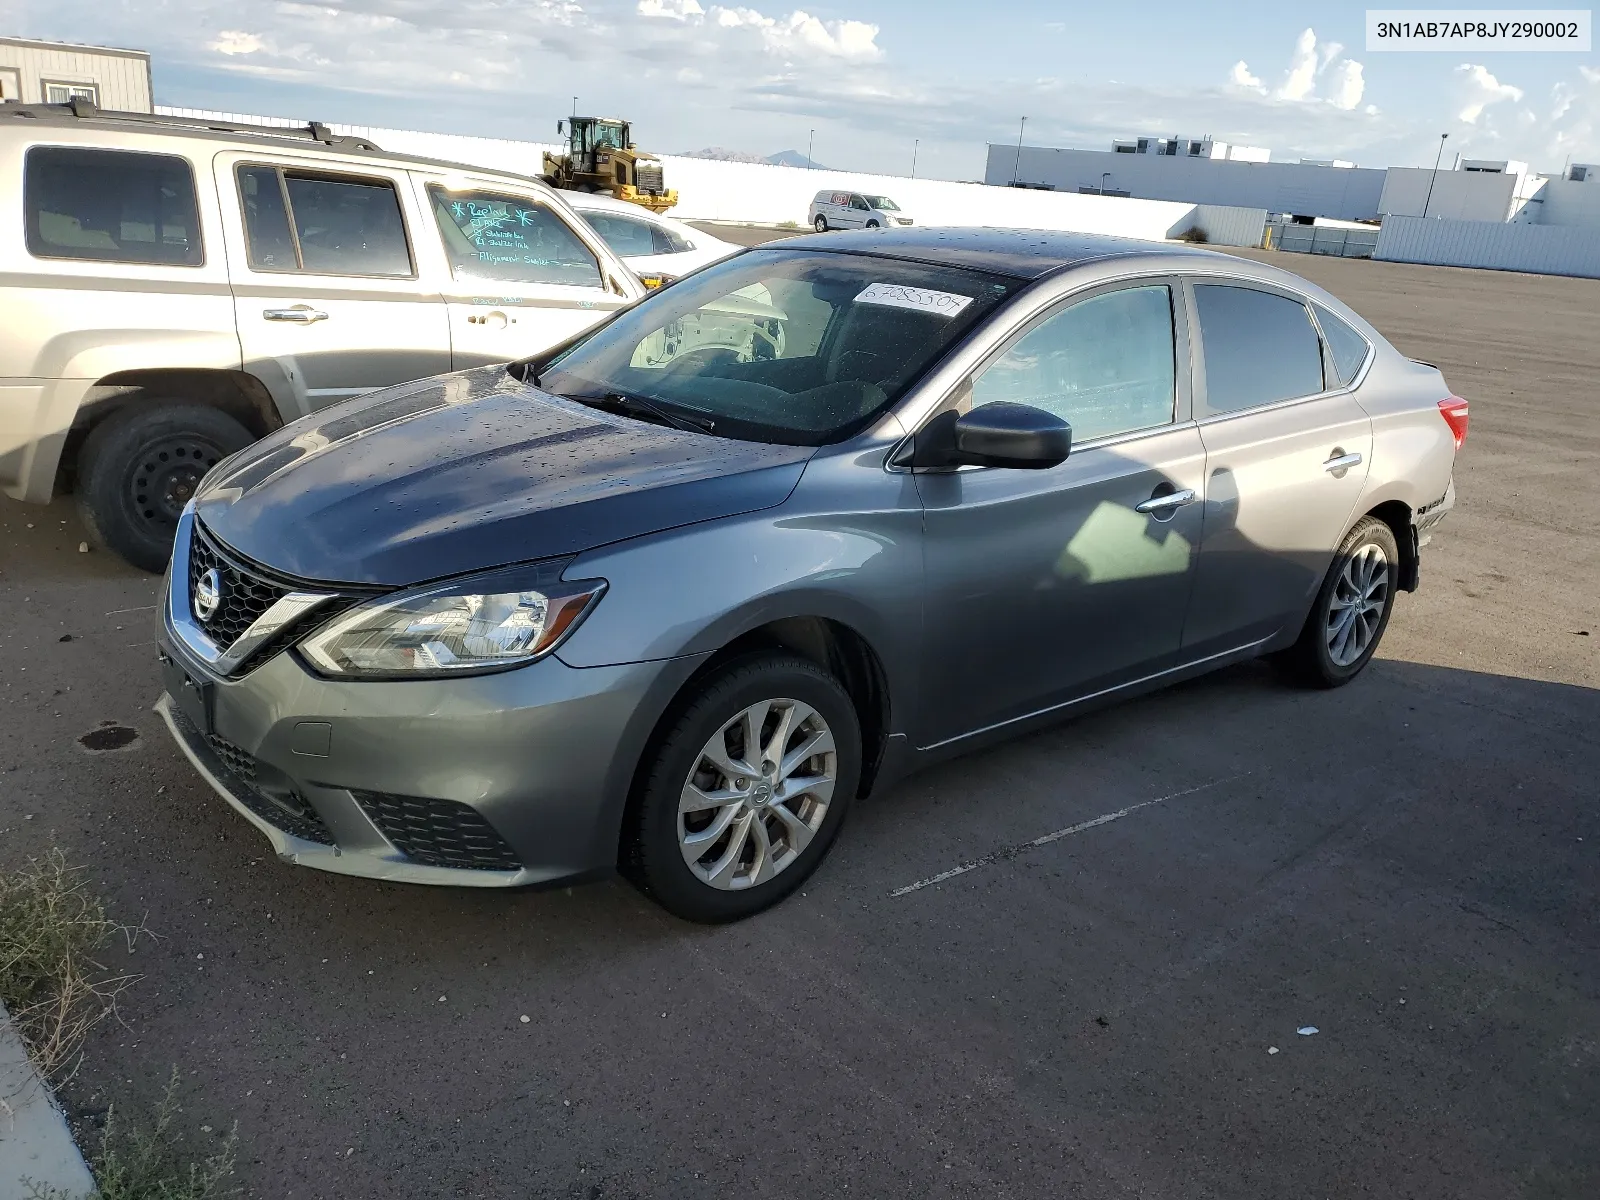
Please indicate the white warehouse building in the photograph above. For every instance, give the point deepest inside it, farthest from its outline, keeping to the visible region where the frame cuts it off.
(1299, 189)
(35, 72)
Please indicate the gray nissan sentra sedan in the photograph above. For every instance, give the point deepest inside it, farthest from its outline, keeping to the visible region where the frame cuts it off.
(674, 595)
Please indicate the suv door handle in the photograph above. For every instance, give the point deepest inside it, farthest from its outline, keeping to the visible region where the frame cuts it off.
(1165, 504)
(300, 314)
(1341, 462)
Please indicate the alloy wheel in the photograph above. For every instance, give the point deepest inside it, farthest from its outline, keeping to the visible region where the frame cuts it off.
(1355, 609)
(757, 794)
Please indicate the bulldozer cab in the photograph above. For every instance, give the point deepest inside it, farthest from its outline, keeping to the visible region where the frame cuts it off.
(589, 136)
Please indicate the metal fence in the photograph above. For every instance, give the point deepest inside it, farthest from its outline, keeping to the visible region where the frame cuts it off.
(1495, 245)
(1321, 239)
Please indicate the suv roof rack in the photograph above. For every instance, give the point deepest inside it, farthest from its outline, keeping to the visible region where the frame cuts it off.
(80, 108)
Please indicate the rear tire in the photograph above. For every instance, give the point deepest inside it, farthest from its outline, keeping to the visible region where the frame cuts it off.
(769, 817)
(140, 466)
(1351, 611)
(820, 224)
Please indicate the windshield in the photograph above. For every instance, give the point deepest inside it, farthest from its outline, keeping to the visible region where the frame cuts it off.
(608, 137)
(788, 346)
(883, 203)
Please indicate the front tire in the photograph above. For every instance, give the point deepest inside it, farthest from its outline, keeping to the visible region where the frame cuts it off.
(1351, 611)
(140, 466)
(820, 224)
(872, 225)
(746, 790)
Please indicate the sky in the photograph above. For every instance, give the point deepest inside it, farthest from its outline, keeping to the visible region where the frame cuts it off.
(869, 83)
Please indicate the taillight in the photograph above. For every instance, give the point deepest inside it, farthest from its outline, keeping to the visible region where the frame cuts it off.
(1454, 412)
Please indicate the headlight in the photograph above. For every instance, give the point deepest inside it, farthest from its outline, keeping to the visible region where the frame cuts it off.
(468, 626)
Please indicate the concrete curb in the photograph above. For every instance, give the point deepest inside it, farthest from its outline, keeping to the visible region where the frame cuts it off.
(36, 1147)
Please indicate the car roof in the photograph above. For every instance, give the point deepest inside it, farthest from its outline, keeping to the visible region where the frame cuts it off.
(1020, 253)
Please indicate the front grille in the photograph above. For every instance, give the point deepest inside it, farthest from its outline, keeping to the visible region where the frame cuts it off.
(438, 833)
(245, 594)
(290, 813)
(648, 179)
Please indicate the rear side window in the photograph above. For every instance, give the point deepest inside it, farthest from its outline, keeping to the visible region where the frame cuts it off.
(1105, 365)
(511, 239)
(323, 224)
(1259, 347)
(1347, 347)
(624, 234)
(111, 206)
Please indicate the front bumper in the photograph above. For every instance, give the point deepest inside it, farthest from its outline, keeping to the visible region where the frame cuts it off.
(503, 780)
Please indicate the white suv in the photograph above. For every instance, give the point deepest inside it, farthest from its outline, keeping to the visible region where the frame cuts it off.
(174, 289)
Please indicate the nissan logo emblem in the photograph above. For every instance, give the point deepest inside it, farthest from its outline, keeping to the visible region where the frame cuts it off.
(208, 595)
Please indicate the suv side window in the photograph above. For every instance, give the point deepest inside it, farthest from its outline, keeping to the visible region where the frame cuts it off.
(1105, 365)
(1259, 347)
(111, 206)
(625, 235)
(323, 224)
(1347, 347)
(488, 235)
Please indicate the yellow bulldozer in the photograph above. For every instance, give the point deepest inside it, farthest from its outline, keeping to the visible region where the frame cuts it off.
(601, 157)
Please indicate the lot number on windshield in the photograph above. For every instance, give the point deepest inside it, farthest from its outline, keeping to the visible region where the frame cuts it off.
(943, 304)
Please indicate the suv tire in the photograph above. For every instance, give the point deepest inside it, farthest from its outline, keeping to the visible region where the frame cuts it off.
(140, 466)
(1351, 610)
(771, 817)
(820, 224)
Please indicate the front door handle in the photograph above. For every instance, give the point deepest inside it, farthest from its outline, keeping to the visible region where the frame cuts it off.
(300, 314)
(1161, 505)
(1341, 462)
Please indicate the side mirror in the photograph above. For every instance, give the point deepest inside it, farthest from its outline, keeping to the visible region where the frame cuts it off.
(561, 126)
(1015, 436)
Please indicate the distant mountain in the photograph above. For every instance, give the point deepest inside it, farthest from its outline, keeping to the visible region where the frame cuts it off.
(718, 154)
(784, 158)
(793, 158)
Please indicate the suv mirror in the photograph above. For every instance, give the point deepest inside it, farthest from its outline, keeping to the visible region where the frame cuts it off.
(1015, 436)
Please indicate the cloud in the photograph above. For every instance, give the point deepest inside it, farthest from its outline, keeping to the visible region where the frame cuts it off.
(674, 10)
(1479, 90)
(1241, 78)
(1318, 72)
(233, 41)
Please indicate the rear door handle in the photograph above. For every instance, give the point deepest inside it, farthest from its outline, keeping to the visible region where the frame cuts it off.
(1165, 504)
(300, 314)
(1341, 462)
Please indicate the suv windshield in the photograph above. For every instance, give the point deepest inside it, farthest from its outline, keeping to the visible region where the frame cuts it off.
(787, 346)
(883, 203)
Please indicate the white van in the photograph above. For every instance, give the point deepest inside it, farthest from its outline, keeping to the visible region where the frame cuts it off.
(854, 210)
(174, 289)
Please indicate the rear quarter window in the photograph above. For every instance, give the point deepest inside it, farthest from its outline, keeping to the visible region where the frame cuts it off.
(1259, 347)
(111, 206)
(1347, 348)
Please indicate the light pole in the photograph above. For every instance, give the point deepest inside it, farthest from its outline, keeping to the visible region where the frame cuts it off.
(1018, 164)
(1434, 177)
(1104, 175)
(914, 145)
(811, 141)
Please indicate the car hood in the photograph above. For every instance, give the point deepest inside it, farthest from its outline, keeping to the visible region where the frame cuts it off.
(472, 471)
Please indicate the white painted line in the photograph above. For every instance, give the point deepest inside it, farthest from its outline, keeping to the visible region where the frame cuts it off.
(36, 1147)
(1013, 851)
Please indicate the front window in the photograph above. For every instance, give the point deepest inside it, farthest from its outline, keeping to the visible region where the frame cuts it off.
(608, 137)
(882, 204)
(787, 346)
(492, 236)
(632, 237)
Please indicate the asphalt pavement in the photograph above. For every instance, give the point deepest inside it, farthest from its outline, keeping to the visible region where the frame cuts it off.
(1096, 1008)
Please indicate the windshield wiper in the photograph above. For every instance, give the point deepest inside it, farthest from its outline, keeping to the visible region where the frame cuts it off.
(639, 408)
